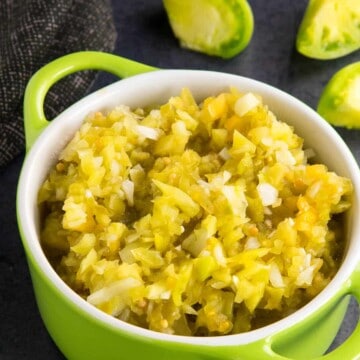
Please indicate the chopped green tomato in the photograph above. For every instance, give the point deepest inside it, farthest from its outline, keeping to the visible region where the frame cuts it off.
(215, 27)
(329, 29)
(340, 101)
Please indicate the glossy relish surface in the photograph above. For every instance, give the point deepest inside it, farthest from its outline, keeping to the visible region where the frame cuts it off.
(191, 218)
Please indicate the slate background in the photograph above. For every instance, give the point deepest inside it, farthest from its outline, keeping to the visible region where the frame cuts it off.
(144, 35)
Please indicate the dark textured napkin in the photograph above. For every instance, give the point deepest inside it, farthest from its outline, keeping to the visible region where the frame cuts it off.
(34, 32)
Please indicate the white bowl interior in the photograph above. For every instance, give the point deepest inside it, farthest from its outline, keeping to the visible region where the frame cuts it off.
(156, 88)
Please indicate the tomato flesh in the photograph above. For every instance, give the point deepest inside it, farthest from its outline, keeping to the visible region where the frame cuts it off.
(339, 103)
(329, 29)
(215, 27)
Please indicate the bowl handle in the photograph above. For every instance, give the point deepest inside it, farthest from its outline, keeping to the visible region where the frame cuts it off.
(39, 84)
(349, 349)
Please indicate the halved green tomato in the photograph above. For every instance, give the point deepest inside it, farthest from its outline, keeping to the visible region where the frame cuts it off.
(215, 27)
(339, 103)
(329, 29)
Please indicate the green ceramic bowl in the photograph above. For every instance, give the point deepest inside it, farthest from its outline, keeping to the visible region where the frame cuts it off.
(83, 332)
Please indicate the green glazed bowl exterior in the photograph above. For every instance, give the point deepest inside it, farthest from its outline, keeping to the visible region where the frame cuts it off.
(83, 332)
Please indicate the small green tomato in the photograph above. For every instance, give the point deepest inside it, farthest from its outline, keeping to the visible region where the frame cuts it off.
(215, 27)
(329, 29)
(339, 103)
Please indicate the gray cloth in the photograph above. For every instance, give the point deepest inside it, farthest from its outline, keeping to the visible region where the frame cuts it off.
(34, 32)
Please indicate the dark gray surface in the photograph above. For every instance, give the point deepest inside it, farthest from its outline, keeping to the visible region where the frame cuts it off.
(144, 35)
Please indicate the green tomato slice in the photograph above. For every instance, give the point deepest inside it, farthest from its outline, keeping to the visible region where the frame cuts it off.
(339, 103)
(215, 27)
(329, 29)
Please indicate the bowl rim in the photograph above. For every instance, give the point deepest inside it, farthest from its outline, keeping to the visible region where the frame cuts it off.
(25, 210)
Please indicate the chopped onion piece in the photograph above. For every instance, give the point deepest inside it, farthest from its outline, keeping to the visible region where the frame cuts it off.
(224, 154)
(128, 187)
(285, 157)
(268, 194)
(246, 103)
(305, 277)
(148, 132)
(219, 255)
(252, 243)
(120, 287)
(267, 141)
(275, 277)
